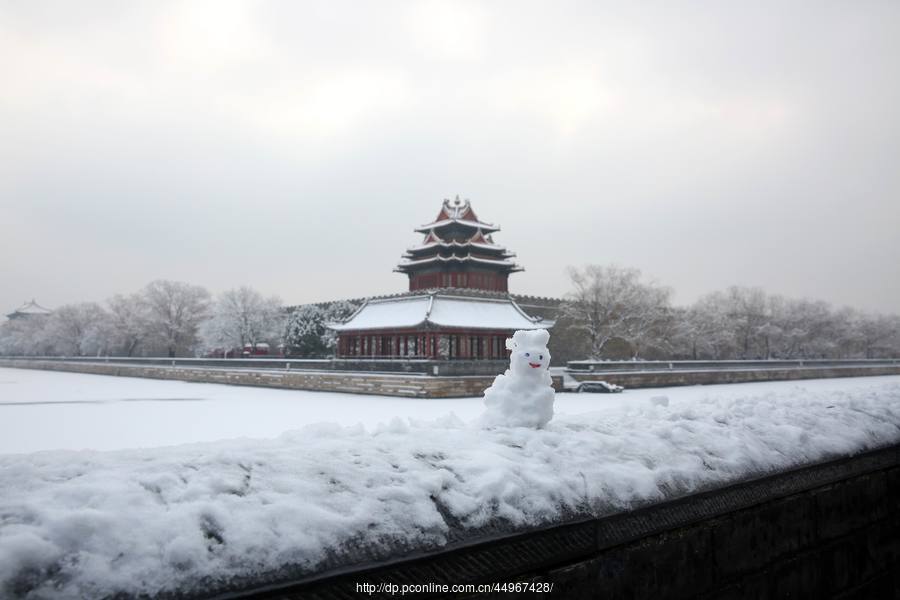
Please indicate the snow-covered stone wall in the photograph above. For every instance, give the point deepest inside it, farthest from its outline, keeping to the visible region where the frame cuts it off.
(449, 383)
(384, 384)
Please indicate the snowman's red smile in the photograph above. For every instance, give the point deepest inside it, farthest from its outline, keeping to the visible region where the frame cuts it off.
(534, 365)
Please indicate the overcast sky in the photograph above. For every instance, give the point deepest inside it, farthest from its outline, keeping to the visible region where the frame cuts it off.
(293, 146)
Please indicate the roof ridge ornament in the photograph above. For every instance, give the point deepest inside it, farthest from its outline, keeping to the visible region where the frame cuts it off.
(457, 208)
(458, 251)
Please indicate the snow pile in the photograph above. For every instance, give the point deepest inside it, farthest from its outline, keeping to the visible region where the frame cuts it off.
(194, 517)
(523, 396)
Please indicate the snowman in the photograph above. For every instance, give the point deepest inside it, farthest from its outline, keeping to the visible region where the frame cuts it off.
(523, 396)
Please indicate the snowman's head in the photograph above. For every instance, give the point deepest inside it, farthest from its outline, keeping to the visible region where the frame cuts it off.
(529, 354)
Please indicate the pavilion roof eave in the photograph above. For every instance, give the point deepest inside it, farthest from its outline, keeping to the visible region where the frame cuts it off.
(446, 259)
(484, 227)
(429, 326)
(443, 312)
(455, 244)
(339, 327)
(31, 308)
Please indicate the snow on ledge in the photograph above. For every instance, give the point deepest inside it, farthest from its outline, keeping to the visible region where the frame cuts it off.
(199, 516)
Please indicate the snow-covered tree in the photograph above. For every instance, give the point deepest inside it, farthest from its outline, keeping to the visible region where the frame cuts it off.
(799, 329)
(241, 317)
(650, 324)
(174, 313)
(128, 323)
(707, 330)
(748, 316)
(336, 312)
(307, 334)
(25, 337)
(610, 302)
(305, 330)
(78, 330)
(875, 333)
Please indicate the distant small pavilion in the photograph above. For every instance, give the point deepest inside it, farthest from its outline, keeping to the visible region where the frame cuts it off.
(457, 306)
(28, 310)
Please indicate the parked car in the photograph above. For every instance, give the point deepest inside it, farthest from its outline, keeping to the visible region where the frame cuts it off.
(599, 387)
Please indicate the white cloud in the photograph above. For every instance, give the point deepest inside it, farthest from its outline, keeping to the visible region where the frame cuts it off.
(324, 107)
(210, 35)
(448, 29)
(637, 116)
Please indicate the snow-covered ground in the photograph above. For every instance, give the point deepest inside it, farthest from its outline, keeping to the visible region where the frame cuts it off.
(47, 410)
(89, 523)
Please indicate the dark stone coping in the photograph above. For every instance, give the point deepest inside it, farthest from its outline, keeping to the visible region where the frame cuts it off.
(695, 370)
(504, 553)
(656, 366)
(402, 366)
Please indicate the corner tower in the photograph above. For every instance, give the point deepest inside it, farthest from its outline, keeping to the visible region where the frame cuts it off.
(458, 251)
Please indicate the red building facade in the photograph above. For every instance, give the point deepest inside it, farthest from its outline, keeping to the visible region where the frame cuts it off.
(458, 252)
(457, 306)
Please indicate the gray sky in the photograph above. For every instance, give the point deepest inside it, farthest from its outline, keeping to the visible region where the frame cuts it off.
(293, 146)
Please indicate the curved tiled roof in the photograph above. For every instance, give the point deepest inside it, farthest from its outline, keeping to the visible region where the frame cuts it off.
(29, 309)
(440, 310)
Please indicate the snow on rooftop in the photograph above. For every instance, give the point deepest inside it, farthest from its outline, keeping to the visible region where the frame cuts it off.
(480, 314)
(191, 518)
(457, 211)
(455, 244)
(486, 227)
(32, 308)
(394, 312)
(406, 262)
(444, 311)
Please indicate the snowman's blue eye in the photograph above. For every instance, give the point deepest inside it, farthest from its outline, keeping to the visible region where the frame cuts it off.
(527, 354)
(541, 357)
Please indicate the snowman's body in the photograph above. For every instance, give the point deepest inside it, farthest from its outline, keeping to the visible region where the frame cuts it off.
(523, 396)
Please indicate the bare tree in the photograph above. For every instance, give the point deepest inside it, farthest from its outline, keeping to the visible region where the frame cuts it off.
(174, 313)
(706, 329)
(128, 322)
(875, 332)
(610, 302)
(78, 330)
(799, 329)
(241, 317)
(650, 322)
(748, 315)
(25, 337)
